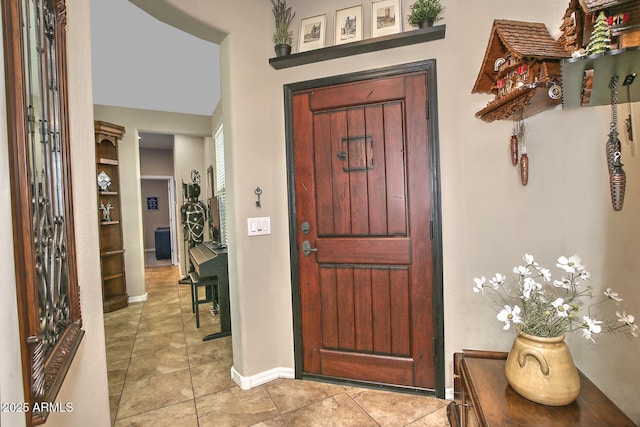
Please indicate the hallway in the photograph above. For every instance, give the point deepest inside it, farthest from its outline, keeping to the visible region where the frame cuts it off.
(161, 373)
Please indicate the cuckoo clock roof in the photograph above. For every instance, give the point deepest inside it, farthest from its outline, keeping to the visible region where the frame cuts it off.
(595, 5)
(520, 40)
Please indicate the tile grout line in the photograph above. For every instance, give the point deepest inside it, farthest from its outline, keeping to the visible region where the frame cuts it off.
(184, 336)
(135, 337)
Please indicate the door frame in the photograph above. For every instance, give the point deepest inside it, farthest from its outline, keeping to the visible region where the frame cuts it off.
(429, 67)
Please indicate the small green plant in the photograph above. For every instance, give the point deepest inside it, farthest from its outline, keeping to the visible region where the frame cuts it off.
(423, 10)
(283, 16)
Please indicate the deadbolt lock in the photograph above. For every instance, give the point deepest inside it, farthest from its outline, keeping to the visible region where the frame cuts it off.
(305, 228)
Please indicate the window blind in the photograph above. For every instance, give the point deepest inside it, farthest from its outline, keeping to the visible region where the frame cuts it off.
(221, 190)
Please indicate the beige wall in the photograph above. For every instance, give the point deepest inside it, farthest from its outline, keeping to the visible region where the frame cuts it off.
(10, 365)
(489, 219)
(156, 162)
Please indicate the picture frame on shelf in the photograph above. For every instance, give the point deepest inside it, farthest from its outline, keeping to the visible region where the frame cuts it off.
(312, 33)
(348, 25)
(386, 17)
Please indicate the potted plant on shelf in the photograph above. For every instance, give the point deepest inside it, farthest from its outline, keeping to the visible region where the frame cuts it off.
(423, 13)
(283, 36)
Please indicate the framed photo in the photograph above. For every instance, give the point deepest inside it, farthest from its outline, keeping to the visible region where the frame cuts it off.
(312, 33)
(152, 203)
(386, 18)
(349, 24)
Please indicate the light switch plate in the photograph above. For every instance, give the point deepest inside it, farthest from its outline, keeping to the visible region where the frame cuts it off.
(259, 226)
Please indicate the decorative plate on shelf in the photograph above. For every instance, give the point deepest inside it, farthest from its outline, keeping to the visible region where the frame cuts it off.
(104, 181)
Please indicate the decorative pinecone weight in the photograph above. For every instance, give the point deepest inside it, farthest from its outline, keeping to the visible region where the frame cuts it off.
(524, 169)
(613, 146)
(618, 184)
(514, 150)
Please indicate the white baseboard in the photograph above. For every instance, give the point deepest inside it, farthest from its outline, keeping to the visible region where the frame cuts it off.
(449, 394)
(139, 298)
(246, 383)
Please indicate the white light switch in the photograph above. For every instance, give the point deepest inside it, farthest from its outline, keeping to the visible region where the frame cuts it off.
(259, 226)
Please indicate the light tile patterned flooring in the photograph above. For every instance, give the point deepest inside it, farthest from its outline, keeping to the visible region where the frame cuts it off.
(161, 373)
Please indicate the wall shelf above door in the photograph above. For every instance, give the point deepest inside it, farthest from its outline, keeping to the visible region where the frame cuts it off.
(356, 48)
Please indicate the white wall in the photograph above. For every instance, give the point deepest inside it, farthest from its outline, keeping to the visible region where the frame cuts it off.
(85, 385)
(489, 219)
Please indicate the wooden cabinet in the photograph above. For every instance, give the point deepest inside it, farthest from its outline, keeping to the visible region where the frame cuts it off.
(114, 283)
(486, 399)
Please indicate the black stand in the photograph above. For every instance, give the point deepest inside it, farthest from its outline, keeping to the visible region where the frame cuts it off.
(225, 307)
(216, 336)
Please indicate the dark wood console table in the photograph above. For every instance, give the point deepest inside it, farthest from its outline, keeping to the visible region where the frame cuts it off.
(486, 399)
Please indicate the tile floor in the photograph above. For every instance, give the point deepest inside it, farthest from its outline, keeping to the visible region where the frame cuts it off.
(161, 373)
(151, 261)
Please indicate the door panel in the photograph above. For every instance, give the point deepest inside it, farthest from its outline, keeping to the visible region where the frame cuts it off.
(361, 250)
(363, 184)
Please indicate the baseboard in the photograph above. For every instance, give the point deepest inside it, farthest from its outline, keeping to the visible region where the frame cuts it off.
(246, 383)
(449, 394)
(139, 298)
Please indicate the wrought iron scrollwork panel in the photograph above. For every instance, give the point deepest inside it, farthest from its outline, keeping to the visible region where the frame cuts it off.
(46, 278)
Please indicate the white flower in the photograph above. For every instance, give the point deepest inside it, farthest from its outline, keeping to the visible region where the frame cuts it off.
(571, 264)
(521, 270)
(590, 326)
(528, 286)
(529, 259)
(479, 287)
(562, 309)
(613, 295)
(509, 315)
(562, 283)
(628, 319)
(497, 280)
(546, 274)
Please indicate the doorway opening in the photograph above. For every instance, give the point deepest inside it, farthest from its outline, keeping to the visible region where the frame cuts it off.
(158, 219)
(158, 197)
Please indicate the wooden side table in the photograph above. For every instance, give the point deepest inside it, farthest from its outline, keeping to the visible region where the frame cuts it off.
(486, 399)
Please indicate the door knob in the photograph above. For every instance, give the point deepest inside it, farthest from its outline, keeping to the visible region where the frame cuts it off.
(307, 249)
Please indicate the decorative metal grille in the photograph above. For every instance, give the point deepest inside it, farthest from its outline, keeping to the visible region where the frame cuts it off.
(42, 215)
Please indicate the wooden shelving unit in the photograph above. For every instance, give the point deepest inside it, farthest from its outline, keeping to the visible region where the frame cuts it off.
(356, 48)
(114, 283)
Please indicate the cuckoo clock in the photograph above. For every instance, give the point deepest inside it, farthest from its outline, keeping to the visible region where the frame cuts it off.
(623, 19)
(521, 67)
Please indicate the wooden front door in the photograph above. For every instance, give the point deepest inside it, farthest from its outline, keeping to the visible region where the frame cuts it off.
(362, 178)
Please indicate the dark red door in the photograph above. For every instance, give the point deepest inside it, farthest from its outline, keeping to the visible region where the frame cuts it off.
(363, 215)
